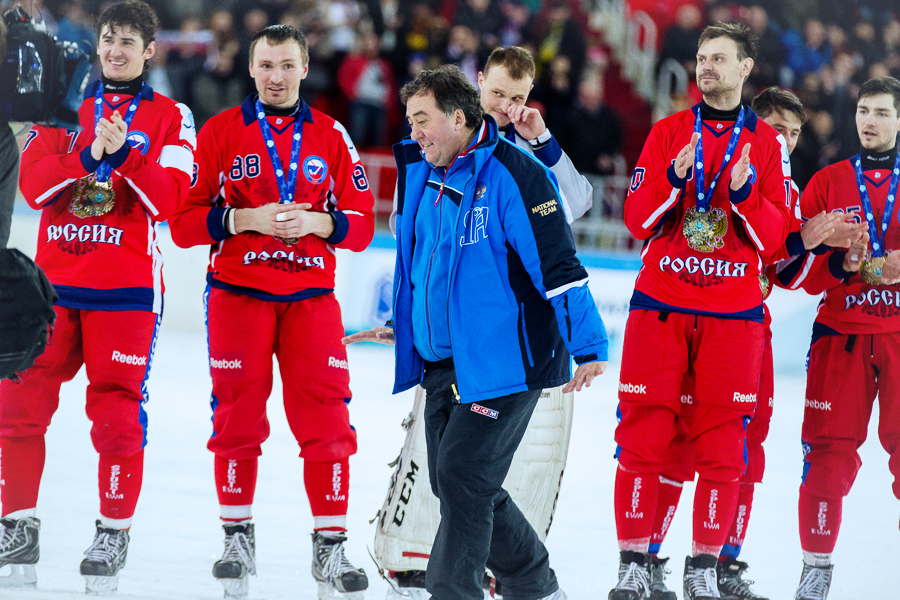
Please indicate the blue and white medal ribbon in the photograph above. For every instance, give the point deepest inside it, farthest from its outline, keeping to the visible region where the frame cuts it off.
(286, 185)
(876, 237)
(104, 171)
(704, 195)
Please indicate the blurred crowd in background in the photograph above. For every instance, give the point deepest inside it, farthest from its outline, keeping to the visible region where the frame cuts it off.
(362, 51)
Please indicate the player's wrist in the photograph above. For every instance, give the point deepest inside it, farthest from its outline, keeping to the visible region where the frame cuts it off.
(541, 139)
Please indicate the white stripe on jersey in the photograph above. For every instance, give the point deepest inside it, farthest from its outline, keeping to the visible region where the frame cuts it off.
(750, 231)
(156, 254)
(177, 157)
(52, 191)
(673, 197)
(144, 199)
(354, 155)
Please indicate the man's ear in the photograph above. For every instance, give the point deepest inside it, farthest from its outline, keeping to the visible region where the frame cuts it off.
(747, 66)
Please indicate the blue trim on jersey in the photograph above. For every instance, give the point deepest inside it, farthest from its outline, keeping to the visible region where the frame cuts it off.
(133, 298)
(213, 401)
(730, 551)
(88, 162)
(118, 158)
(142, 414)
(90, 91)
(246, 291)
(654, 548)
(807, 448)
(248, 110)
(641, 301)
(215, 223)
(550, 153)
(836, 264)
(820, 330)
(794, 244)
(739, 195)
(341, 228)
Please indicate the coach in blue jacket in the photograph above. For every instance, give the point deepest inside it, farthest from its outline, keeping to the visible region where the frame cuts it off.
(489, 303)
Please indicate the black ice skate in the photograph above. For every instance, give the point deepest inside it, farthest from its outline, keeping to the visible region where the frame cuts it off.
(700, 581)
(238, 560)
(634, 577)
(333, 571)
(104, 559)
(20, 549)
(731, 584)
(814, 583)
(658, 572)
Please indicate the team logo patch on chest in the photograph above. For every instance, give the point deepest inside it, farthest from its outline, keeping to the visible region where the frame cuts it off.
(138, 140)
(315, 169)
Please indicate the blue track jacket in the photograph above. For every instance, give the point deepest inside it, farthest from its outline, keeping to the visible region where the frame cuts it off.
(518, 299)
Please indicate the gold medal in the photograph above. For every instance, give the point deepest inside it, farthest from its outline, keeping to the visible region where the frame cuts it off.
(764, 285)
(870, 269)
(287, 241)
(704, 230)
(92, 198)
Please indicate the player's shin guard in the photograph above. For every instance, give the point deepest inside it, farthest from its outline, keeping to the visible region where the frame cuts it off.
(120, 481)
(21, 467)
(666, 504)
(735, 538)
(635, 506)
(820, 521)
(327, 485)
(235, 486)
(714, 504)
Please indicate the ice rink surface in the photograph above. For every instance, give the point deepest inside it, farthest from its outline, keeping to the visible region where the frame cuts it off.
(176, 534)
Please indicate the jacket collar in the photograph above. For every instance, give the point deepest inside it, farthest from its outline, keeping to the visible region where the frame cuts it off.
(90, 90)
(248, 110)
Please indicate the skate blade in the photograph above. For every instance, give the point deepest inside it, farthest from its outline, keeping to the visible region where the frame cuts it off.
(327, 592)
(236, 588)
(99, 585)
(407, 594)
(20, 576)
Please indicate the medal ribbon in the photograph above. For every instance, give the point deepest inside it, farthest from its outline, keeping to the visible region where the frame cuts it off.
(286, 186)
(104, 171)
(876, 239)
(704, 195)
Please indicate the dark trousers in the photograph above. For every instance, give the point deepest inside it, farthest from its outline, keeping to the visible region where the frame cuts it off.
(469, 455)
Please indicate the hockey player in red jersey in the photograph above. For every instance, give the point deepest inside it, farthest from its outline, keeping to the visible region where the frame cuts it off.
(710, 197)
(279, 187)
(783, 111)
(102, 192)
(856, 335)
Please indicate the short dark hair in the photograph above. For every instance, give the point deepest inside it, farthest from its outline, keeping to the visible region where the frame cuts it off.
(517, 61)
(132, 13)
(276, 35)
(451, 91)
(747, 41)
(775, 99)
(881, 85)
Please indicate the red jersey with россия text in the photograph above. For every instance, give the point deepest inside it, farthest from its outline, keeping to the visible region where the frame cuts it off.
(849, 304)
(109, 262)
(234, 170)
(723, 279)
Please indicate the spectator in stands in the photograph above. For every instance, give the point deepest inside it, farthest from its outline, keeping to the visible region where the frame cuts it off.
(809, 53)
(517, 19)
(681, 40)
(770, 58)
(592, 134)
(221, 85)
(484, 18)
(553, 91)
(818, 147)
(560, 35)
(185, 60)
(368, 82)
(77, 25)
(866, 44)
(464, 51)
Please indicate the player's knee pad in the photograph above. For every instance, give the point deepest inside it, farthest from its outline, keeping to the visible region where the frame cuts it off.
(636, 464)
(832, 471)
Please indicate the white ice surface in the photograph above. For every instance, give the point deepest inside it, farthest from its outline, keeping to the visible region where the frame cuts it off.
(176, 534)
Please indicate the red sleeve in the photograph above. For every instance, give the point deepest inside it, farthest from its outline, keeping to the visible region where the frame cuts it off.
(765, 207)
(654, 189)
(161, 185)
(817, 276)
(189, 225)
(796, 224)
(48, 166)
(353, 201)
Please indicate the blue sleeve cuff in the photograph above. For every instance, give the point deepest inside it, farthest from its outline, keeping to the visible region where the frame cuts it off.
(89, 163)
(118, 158)
(341, 228)
(580, 360)
(836, 264)
(740, 195)
(550, 153)
(794, 244)
(675, 180)
(215, 223)
(820, 249)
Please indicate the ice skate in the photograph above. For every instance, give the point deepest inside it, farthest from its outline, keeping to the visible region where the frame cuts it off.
(333, 572)
(658, 572)
(731, 584)
(700, 581)
(406, 585)
(814, 583)
(634, 577)
(238, 560)
(20, 550)
(104, 559)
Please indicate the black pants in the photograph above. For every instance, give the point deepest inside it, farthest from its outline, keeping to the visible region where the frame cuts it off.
(469, 455)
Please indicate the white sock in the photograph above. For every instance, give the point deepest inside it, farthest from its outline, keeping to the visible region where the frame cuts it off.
(814, 559)
(115, 523)
(22, 514)
(329, 524)
(236, 514)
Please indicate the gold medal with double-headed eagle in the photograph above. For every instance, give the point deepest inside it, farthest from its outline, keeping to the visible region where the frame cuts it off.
(704, 229)
(92, 198)
(764, 285)
(287, 241)
(870, 269)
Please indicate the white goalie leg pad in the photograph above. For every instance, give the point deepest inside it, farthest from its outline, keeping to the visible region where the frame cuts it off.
(18, 576)
(409, 518)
